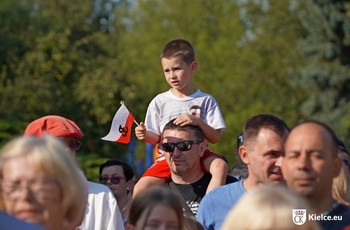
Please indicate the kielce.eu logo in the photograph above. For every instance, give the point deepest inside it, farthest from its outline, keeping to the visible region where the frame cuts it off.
(299, 216)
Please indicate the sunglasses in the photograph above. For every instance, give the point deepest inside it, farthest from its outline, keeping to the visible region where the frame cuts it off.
(74, 145)
(182, 146)
(114, 179)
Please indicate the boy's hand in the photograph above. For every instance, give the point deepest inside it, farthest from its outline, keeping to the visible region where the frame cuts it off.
(187, 119)
(140, 131)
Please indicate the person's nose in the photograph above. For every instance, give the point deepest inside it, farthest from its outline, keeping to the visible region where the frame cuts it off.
(172, 74)
(23, 192)
(176, 152)
(304, 162)
(279, 161)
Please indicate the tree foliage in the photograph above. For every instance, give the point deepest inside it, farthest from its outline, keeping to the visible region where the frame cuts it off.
(326, 76)
(79, 60)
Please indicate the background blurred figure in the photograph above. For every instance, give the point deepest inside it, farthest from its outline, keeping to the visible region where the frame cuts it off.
(41, 183)
(268, 207)
(239, 170)
(118, 176)
(341, 186)
(343, 153)
(132, 186)
(102, 210)
(191, 223)
(156, 208)
(341, 183)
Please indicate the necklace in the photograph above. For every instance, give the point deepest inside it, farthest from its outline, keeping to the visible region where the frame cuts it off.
(123, 209)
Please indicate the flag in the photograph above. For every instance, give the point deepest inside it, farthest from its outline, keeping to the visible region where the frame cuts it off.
(121, 126)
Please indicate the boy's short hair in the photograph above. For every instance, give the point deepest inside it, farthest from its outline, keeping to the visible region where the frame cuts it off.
(179, 47)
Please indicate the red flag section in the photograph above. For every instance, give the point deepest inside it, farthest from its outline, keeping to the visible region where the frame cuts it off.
(121, 126)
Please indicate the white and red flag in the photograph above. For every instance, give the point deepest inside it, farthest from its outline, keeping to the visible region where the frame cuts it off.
(121, 126)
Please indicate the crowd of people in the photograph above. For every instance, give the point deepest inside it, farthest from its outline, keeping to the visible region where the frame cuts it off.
(284, 178)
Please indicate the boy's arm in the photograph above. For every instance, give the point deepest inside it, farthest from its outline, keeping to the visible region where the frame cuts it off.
(143, 134)
(212, 135)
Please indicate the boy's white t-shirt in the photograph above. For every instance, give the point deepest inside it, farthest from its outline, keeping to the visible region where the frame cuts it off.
(166, 106)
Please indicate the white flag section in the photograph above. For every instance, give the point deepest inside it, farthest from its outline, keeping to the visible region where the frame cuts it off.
(121, 126)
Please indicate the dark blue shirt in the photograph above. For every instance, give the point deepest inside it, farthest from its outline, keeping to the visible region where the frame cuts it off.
(341, 211)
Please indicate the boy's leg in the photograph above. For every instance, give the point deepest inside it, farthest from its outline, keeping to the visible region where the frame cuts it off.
(156, 175)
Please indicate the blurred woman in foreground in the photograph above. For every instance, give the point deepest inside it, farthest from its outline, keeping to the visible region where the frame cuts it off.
(41, 183)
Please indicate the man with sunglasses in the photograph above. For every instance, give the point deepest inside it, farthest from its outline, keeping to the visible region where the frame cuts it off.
(183, 146)
(102, 210)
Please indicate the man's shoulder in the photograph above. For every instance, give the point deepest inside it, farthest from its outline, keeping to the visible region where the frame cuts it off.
(229, 188)
(98, 188)
(343, 212)
(231, 179)
(100, 193)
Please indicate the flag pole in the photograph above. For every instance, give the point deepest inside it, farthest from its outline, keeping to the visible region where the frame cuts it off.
(122, 103)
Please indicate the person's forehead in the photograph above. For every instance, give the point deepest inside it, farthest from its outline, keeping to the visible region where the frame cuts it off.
(306, 130)
(266, 135)
(13, 167)
(308, 134)
(186, 134)
(113, 169)
(176, 60)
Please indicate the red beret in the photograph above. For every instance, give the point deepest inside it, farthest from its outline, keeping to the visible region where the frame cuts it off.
(55, 126)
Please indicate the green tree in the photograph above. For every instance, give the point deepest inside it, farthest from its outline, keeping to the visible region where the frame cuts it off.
(245, 76)
(326, 76)
(55, 59)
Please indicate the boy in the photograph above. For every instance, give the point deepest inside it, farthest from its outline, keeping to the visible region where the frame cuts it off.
(189, 106)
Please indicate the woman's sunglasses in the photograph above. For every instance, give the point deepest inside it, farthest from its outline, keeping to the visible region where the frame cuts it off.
(114, 179)
(182, 146)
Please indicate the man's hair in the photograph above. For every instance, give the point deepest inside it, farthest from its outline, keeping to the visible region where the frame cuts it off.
(127, 169)
(254, 124)
(172, 126)
(334, 138)
(179, 47)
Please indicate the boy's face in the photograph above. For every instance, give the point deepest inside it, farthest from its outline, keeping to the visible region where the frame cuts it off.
(178, 73)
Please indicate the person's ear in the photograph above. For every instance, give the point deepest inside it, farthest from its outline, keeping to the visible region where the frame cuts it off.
(194, 66)
(243, 153)
(129, 185)
(202, 147)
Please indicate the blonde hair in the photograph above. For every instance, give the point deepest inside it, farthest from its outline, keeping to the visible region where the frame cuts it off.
(50, 156)
(268, 207)
(341, 186)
